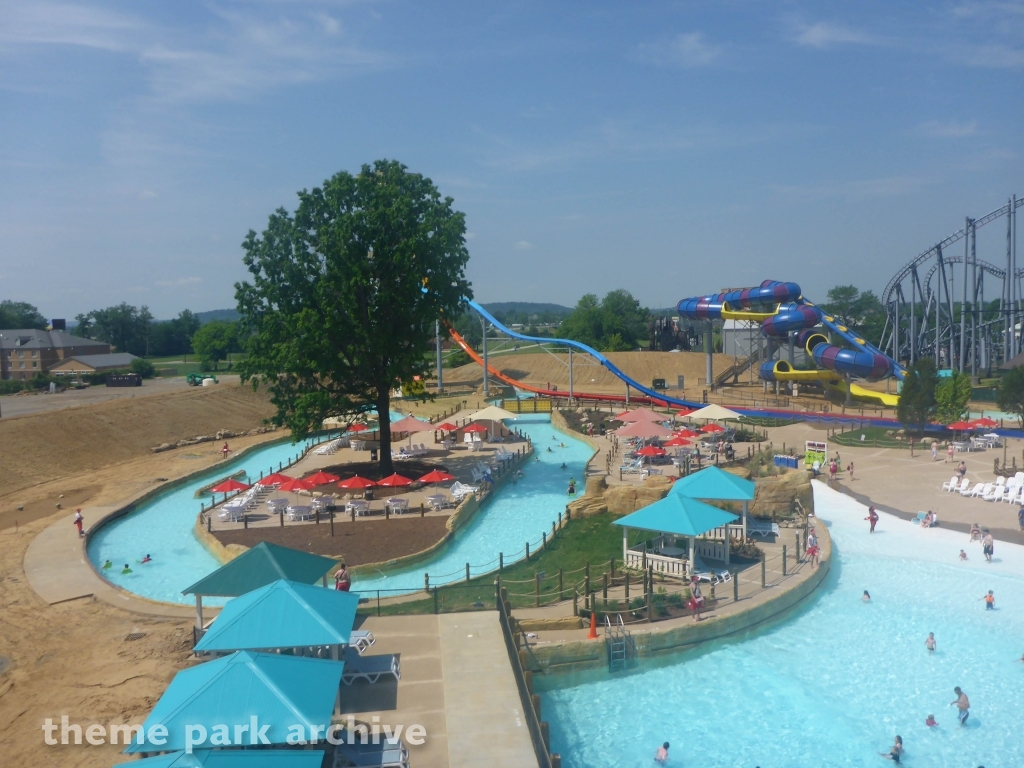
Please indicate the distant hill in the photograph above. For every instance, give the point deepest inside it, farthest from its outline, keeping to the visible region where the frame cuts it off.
(527, 308)
(218, 314)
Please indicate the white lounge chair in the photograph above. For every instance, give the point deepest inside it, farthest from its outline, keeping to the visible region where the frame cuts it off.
(460, 490)
(952, 485)
(361, 639)
(965, 484)
(985, 489)
(369, 668)
(761, 528)
(633, 468)
(966, 491)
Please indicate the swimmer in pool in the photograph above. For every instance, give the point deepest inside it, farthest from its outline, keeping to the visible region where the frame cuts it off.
(930, 642)
(930, 722)
(563, 466)
(963, 705)
(561, 445)
(549, 449)
(866, 597)
(661, 756)
(147, 559)
(963, 555)
(896, 751)
(107, 565)
(126, 569)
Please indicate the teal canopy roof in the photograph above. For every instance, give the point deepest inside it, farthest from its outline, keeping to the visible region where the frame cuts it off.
(260, 566)
(284, 614)
(275, 690)
(715, 484)
(679, 515)
(233, 758)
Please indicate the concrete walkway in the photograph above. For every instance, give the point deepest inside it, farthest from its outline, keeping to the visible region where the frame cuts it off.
(456, 682)
(58, 570)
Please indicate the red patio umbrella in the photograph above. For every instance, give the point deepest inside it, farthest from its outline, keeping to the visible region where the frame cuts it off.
(395, 481)
(643, 429)
(447, 427)
(295, 485)
(961, 426)
(651, 450)
(712, 428)
(436, 476)
(356, 483)
(475, 427)
(676, 442)
(411, 424)
(321, 478)
(229, 486)
(274, 479)
(687, 433)
(358, 428)
(684, 412)
(985, 421)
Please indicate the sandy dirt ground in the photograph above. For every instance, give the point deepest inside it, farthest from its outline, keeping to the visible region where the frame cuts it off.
(74, 445)
(73, 658)
(542, 368)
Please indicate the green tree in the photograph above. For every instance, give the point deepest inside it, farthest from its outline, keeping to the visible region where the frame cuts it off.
(1010, 397)
(917, 398)
(585, 324)
(124, 327)
(951, 397)
(143, 367)
(20, 314)
(615, 323)
(213, 341)
(863, 312)
(174, 337)
(346, 292)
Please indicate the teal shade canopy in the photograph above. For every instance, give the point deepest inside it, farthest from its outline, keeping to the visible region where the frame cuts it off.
(678, 515)
(284, 614)
(244, 689)
(714, 484)
(260, 566)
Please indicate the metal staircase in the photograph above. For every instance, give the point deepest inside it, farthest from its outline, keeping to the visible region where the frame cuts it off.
(733, 371)
(621, 648)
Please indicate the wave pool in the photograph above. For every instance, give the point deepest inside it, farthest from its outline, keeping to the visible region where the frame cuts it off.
(833, 684)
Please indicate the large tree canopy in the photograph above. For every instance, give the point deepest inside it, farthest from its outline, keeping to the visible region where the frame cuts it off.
(20, 315)
(917, 398)
(124, 326)
(615, 323)
(345, 294)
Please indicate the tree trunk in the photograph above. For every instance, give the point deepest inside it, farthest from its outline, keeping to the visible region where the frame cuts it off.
(384, 420)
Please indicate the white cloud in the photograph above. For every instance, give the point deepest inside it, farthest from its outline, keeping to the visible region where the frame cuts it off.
(950, 129)
(148, 194)
(688, 50)
(181, 281)
(66, 24)
(825, 34)
(524, 245)
(470, 236)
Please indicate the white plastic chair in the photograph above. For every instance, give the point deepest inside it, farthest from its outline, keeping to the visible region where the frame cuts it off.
(952, 485)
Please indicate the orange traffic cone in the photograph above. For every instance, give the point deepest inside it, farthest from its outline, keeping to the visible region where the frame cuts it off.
(593, 627)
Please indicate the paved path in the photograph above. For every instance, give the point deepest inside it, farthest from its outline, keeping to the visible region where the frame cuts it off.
(456, 682)
(58, 570)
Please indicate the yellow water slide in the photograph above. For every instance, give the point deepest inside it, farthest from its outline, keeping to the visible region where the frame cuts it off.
(890, 401)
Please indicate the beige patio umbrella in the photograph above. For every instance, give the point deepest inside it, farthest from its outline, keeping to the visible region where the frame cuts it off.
(714, 412)
(491, 413)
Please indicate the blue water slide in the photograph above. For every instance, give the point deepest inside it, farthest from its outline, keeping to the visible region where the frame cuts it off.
(864, 347)
(612, 368)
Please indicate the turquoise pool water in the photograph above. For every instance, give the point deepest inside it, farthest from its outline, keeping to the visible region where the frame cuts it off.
(164, 528)
(516, 514)
(834, 684)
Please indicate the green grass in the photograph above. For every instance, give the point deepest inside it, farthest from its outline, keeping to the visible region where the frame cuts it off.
(592, 539)
(874, 437)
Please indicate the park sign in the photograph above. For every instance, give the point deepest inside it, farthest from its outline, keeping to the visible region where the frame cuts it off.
(815, 451)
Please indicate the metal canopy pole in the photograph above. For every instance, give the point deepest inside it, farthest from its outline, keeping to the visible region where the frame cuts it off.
(483, 326)
(913, 315)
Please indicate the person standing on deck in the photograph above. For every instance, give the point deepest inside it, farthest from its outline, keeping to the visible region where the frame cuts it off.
(79, 520)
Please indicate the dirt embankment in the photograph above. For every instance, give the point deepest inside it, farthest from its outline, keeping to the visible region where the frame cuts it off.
(75, 659)
(541, 368)
(72, 452)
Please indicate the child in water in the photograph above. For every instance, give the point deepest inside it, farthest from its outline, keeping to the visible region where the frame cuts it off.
(929, 643)
(126, 569)
(990, 601)
(866, 597)
(661, 756)
(147, 559)
(107, 565)
(930, 722)
(963, 555)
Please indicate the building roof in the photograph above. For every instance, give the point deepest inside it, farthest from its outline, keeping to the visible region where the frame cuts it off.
(283, 614)
(715, 484)
(97, 362)
(233, 758)
(281, 691)
(259, 566)
(1013, 362)
(31, 338)
(679, 515)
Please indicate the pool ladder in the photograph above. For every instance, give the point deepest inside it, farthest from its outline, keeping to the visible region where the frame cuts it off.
(621, 648)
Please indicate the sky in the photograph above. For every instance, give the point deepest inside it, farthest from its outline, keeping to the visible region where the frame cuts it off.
(669, 148)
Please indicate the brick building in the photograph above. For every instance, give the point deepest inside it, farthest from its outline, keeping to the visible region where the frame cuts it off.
(26, 352)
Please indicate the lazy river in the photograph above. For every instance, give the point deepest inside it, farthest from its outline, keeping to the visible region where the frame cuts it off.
(833, 684)
(164, 525)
